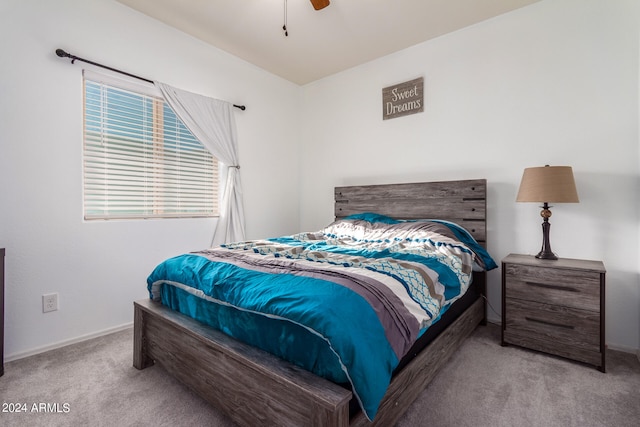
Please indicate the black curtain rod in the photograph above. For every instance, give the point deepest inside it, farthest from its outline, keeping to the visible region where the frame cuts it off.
(62, 54)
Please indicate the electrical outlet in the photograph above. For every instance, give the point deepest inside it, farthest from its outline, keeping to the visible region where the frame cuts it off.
(49, 302)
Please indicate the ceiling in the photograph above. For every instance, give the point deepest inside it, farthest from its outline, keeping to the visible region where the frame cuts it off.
(320, 43)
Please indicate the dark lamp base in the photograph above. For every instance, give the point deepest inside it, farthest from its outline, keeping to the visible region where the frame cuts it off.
(545, 252)
(546, 255)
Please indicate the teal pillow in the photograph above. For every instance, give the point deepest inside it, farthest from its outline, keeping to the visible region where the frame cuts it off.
(373, 217)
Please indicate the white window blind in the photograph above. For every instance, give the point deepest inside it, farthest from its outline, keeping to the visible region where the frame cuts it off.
(140, 161)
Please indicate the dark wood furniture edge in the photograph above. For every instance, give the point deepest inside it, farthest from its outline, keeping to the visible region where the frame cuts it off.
(2, 252)
(503, 320)
(603, 338)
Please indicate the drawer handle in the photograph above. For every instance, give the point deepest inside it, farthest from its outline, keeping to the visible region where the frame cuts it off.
(556, 287)
(546, 322)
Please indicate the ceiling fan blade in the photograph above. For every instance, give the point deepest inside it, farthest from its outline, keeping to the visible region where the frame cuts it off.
(320, 4)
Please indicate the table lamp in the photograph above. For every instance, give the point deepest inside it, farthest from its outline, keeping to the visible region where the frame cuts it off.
(547, 184)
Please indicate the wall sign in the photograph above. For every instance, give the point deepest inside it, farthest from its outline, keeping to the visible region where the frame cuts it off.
(403, 99)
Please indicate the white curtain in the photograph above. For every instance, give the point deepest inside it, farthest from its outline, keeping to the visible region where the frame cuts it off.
(213, 123)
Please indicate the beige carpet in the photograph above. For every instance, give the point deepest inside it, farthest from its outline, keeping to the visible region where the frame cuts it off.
(94, 384)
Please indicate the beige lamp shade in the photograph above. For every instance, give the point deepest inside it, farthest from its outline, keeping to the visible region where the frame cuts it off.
(550, 184)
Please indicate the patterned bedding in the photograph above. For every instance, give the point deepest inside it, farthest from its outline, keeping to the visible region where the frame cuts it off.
(346, 302)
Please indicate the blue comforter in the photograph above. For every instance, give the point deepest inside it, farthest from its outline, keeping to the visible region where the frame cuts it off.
(346, 302)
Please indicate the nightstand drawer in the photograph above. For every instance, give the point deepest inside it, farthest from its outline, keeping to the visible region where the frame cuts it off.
(562, 331)
(572, 288)
(564, 326)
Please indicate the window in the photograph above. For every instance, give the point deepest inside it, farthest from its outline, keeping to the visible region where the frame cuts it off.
(140, 161)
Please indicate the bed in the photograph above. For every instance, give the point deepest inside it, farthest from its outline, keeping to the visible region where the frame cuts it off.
(254, 387)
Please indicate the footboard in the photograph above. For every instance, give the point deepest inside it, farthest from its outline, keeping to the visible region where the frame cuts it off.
(253, 387)
(250, 386)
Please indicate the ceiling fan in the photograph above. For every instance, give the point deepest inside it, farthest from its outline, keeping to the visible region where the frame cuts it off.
(320, 4)
(317, 5)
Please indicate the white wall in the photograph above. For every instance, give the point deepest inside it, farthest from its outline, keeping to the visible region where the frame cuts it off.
(552, 83)
(99, 268)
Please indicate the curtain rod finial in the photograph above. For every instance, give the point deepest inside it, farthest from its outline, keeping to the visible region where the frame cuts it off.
(61, 53)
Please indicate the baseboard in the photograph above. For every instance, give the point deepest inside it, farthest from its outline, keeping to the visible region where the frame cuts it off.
(33, 352)
(494, 320)
(624, 349)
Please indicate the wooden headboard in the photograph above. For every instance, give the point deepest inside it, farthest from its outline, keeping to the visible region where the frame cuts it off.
(463, 202)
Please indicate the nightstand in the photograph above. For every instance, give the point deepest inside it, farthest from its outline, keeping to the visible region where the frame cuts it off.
(555, 306)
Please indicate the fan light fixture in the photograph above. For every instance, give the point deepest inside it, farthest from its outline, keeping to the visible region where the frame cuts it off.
(317, 5)
(547, 184)
(320, 4)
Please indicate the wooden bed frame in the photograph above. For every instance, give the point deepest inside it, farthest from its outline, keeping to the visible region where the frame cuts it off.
(253, 387)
